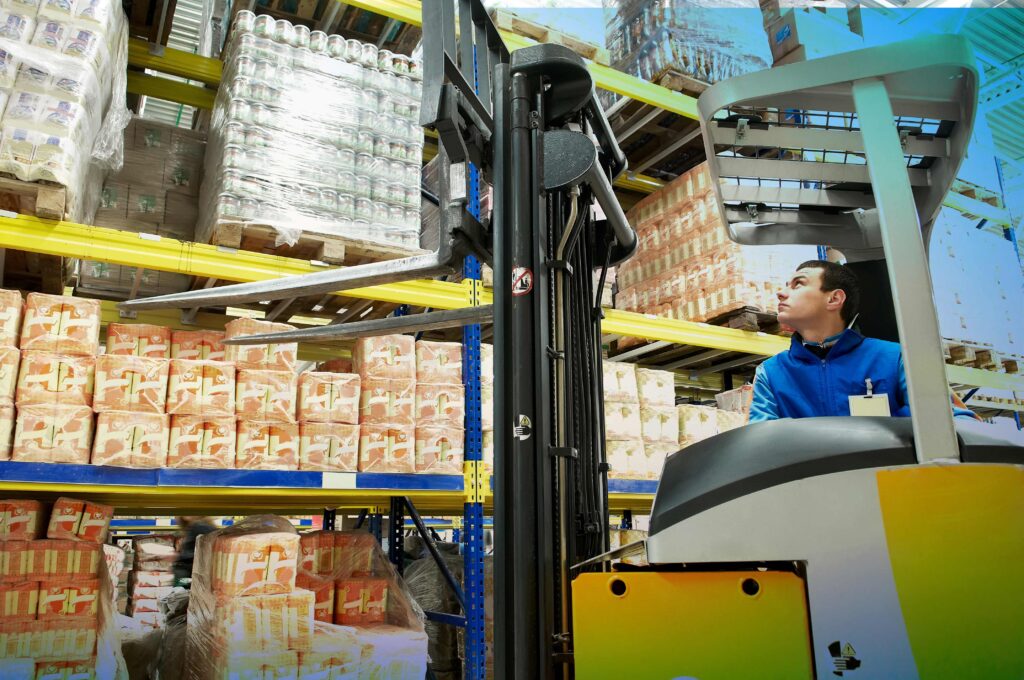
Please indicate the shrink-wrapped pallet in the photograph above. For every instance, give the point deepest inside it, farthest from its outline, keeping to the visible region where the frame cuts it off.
(21, 519)
(622, 421)
(265, 395)
(197, 345)
(387, 448)
(139, 340)
(329, 397)
(202, 442)
(19, 600)
(385, 356)
(257, 556)
(737, 400)
(656, 388)
(659, 424)
(205, 388)
(7, 420)
(627, 459)
(154, 560)
(620, 381)
(137, 440)
(440, 405)
(56, 323)
(655, 455)
(440, 450)
(55, 379)
(356, 554)
(63, 599)
(53, 434)
(386, 400)
(696, 423)
(151, 579)
(328, 447)
(316, 553)
(11, 308)
(10, 361)
(267, 446)
(131, 383)
(439, 363)
(268, 356)
(339, 365)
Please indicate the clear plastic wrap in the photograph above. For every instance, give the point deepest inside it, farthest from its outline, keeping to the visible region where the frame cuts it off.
(440, 405)
(431, 591)
(137, 440)
(267, 446)
(329, 397)
(387, 448)
(384, 400)
(47, 378)
(130, 383)
(385, 356)
(63, 70)
(440, 450)
(439, 363)
(328, 447)
(265, 395)
(201, 442)
(53, 434)
(271, 357)
(197, 345)
(139, 339)
(63, 324)
(313, 133)
(204, 388)
(248, 617)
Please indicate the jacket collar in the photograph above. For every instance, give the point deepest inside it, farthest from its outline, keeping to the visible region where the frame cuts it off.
(848, 341)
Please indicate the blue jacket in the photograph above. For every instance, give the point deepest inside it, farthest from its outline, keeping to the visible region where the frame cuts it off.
(797, 384)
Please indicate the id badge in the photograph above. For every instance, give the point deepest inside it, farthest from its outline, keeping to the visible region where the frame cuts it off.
(869, 405)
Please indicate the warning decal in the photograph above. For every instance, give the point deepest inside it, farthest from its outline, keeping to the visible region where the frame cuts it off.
(522, 281)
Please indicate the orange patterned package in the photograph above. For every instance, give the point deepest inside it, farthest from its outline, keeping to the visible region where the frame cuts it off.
(387, 448)
(139, 340)
(131, 439)
(7, 420)
(130, 383)
(197, 345)
(339, 365)
(254, 563)
(53, 434)
(323, 595)
(267, 446)
(65, 518)
(204, 388)
(317, 552)
(11, 307)
(21, 519)
(271, 357)
(198, 442)
(387, 401)
(328, 447)
(329, 397)
(354, 552)
(48, 378)
(265, 395)
(10, 361)
(442, 405)
(360, 601)
(19, 600)
(439, 363)
(69, 599)
(440, 450)
(67, 325)
(95, 522)
(22, 561)
(385, 356)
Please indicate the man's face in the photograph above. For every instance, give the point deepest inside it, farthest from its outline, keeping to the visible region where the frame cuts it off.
(803, 302)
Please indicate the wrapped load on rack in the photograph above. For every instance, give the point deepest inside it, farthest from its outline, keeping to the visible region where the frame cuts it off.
(53, 434)
(439, 363)
(139, 340)
(265, 395)
(131, 383)
(328, 447)
(385, 447)
(126, 439)
(12, 306)
(391, 357)
(440, 449)
(270, 356)
(384, 400)
(47, 378)
(329, 397)
(205, 388)
(62, 324)
(198, 345)
(21, 519)
(201, 442)
(10, 362)
(266, 445)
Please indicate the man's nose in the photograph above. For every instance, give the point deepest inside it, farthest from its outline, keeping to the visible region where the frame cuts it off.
(782, 294)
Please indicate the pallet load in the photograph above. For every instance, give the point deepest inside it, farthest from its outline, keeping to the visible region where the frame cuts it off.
(329, 421)
(266, 603)
(623, 428)
(697, 423)
(440, 408)
(387, 403)
(659, 422)
(155, 192)
(314, 141)
(687, 268)
(57, 606)
(151, 578)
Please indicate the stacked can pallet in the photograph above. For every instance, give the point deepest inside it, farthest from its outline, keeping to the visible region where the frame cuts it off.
(687, 268)
(313, 134)
(155, 192)
(56, 597)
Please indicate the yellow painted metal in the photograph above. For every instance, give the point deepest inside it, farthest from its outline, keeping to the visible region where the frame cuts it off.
(972, 206)
(175, 62)
(690, 624)
(690, 333)
(477, 481)
(975, 377)
(171, 90)
(641, 183)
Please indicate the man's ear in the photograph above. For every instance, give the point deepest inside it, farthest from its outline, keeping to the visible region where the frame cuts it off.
(836, 299)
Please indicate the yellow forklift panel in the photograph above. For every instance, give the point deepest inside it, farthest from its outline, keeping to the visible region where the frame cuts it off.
(702, 625)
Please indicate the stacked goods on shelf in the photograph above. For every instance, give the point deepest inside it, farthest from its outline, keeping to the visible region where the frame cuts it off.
(11, 309)
(487, 404)
(440, 408)
(387, 403)
(200, 401)
(697, 423)
(705, 42)
(687, 268)
(248, 618)
(155, 192)
(313, 133)
(329, 421)
(623, 428)
(62, 84)
(736, 401)
(659, 421)
(151, 578)
(57, 606)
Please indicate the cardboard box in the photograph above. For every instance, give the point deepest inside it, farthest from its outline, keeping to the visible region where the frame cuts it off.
(21, 519)
(201, 442)
(146, 205)
(696, 423)
(271, 356)
(204, 388)
(267, 446)
(139, 339)
(622, 421)
(316, 554)
(53, 434)
(113, 203)
(656, 388)
(360, 601)
(79, 520)
(627, 459)
(182, 175)
(439, 363)
(328, 447)
(383, 400)
(197, 345)
(138, 440)
(66, 325)
(51, 379)
(659, 424)
(7, 421)
(387, 448)
(386, 356)
(329, 397)
(12, 306)
(265, 395)
(440, 450)
(131, 383)
(323, 595)
(254, 564)
(440, 405)
(60, 600)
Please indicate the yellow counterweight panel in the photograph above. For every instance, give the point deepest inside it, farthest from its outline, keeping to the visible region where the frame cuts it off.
(706, 625)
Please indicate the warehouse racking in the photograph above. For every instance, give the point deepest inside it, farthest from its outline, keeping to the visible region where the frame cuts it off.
(708, 349)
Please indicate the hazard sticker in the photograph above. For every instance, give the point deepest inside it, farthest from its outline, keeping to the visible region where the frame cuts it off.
(522, 281)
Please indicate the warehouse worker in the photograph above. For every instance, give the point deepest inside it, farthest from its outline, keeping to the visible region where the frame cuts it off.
(828, 362)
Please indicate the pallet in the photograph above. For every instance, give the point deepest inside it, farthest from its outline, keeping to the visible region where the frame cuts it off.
(505, 20)
(980, 355)
(22, 269)
(327, 248)
(747, 318)
(33, 198)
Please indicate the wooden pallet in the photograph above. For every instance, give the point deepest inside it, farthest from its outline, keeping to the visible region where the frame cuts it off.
(26, 270)
(327, 248)
(980, 355)
(509, 21)
(747, 318)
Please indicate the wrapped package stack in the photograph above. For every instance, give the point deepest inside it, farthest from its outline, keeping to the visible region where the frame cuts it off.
(440, 408)
(624, 442)
(62, 89)
(152, 577)
(57, 605)
(249, 615)
(11, 310)
(697, 423)
(155, 192)
(387, 403)
(329, 421)
(313, 133)
(487, 403)
(659, 421)
(687, 268)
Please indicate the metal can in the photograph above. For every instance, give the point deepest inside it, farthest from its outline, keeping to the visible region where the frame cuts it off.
(368, 58)
(300, 36)
(353, 50)
(384, 59)
(284, 32)
(335, 46)
(228, 205)
(249, 208)
(346, 205)
(310, 196)
(363, 209)
(329, 200)
(318, 42)
(245, 21)
(263, 26)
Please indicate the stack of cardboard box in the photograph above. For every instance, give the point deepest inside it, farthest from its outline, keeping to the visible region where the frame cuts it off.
(624, 443)
(151, 577)
(387, 403)
(329, 421)
(440, 408)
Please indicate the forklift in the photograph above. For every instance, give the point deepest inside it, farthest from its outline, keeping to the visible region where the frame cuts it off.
(863, 547)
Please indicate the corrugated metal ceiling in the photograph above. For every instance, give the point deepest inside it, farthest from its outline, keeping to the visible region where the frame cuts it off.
(185, 26)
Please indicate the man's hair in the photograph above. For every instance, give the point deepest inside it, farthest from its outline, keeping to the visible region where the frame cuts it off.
(837, 277)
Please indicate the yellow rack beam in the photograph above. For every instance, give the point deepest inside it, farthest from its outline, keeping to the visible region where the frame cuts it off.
(976, 377)
(175, 62)
(171, 90)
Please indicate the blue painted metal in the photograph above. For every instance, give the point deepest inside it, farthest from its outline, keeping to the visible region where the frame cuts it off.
(1017, 419)
(632, 486)
(627, 520)
(376, 523)
(448, 619)
(65, 473)
(822, 253)
(408, 482)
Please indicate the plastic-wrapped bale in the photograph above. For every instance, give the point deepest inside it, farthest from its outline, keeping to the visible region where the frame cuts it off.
(386, 400)
(265, 395)
(440, 450)
(655, 455)
(53, 434)
(431, 591)
(659, 424)
(440, 405)
(328, 447)
(386, 356)
(267, 446)
(696, 423)
(11, 308)
(737, 400)
(139, 340)
(729, 420)
(627, 458)
(138, 440)
(656, 388)
(57, 323)
(620, 382)
(10, 361)
(387, 448)
(197, 345)
(269, 356)
(131, 383)
(622, 421)
(20, 519)
(439, 363)
(7, 420)
(48, 378)
(79, 520)
(336, 652)
(329, 397)
(201, 442)
(154, 561)
(201, 388)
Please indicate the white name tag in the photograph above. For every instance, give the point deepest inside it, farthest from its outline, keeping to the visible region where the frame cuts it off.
(873, 405)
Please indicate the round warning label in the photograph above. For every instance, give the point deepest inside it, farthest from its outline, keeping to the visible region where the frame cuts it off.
(522, 281)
